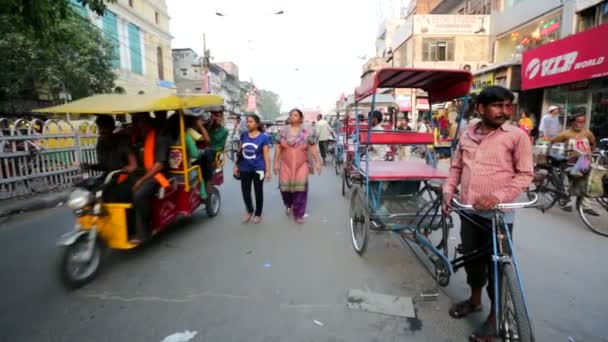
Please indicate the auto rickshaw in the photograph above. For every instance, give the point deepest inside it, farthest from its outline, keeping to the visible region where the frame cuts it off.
(100, 225)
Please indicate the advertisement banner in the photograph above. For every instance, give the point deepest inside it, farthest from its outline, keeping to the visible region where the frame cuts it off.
(578, 57)
(251, 103)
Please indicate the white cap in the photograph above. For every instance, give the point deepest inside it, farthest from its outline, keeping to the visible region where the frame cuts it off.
(552, 108)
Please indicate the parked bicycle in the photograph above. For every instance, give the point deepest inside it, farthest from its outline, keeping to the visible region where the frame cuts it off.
(554, 185)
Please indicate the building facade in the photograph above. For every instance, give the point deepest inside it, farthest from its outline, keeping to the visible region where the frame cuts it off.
(190, 79)
(187, 71)
(530, 42)
(138, 30)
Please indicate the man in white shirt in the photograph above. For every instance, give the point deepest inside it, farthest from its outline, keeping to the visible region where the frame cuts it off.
(324, 134)
(549, 125)
(377, 152)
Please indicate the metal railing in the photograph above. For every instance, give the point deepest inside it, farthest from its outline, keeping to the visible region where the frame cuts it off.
(39, 156)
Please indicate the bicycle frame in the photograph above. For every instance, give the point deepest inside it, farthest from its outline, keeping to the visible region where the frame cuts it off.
(501, 233)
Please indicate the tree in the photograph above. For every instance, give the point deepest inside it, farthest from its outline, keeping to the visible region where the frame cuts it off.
(269, 104)
(41, 16)
(72, 57)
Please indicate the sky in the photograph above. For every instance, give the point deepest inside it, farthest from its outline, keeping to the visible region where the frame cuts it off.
(310, 55)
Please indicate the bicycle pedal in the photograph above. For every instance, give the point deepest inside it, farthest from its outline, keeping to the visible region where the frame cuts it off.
(459, 249)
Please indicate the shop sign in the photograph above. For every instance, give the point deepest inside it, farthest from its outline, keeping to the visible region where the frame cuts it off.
(482, 81)
(574, 58)
(453, 24)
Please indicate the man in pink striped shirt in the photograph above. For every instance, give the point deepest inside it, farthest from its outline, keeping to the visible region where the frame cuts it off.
(492, 165)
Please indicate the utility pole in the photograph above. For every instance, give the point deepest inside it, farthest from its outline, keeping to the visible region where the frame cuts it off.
(206, 63)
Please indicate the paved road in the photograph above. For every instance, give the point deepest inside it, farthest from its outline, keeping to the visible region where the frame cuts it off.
(212, 276)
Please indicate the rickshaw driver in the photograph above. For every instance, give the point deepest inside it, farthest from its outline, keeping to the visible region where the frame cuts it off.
(113, 153)
(152, 151)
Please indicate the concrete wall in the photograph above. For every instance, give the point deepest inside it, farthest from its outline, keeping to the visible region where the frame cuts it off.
(471, 50)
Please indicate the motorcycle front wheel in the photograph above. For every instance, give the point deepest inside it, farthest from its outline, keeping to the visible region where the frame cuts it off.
(75, 269)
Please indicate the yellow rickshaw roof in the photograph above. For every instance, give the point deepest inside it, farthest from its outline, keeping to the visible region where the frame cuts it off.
(127, 104)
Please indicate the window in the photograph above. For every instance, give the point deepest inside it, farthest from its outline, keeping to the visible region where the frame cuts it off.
(135, 49)
(438, 49)
(159, 62)
(156, 18)
(587, 19)
(592, 17)
(130, 3)
(110, 33)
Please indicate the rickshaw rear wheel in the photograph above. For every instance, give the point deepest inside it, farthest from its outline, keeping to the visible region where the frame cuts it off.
(213, 202)
(73, 275)
(359, 220)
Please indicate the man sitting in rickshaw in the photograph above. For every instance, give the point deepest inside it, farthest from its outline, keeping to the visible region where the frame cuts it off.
(152, 152)
(218, 134)
(377, 152)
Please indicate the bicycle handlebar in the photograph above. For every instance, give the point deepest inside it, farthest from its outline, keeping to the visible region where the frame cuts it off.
(517, 205)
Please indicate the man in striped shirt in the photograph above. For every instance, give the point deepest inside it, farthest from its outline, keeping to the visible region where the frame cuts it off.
(492, 165)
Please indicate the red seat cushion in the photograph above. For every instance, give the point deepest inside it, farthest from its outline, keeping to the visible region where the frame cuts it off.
(401, 170)
(397, 138)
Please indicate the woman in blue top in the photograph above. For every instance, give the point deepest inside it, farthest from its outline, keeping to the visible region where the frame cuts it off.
(253, 165)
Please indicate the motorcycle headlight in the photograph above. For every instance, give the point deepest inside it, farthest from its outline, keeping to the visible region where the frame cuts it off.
(79, 199)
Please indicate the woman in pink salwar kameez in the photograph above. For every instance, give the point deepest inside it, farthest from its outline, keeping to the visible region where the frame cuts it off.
(291, 164)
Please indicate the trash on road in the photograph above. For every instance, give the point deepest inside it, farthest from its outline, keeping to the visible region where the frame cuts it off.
(570, 339)
(380, 303)
(319, 323)
(267, 265)
(180, 336)
(249, 252)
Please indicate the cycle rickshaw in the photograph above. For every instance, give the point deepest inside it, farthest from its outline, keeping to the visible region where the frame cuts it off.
(345, 145)
(405, 197)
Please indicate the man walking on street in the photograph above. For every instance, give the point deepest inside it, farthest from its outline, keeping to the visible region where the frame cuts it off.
(492, 165)
(324, 134)
(549, 125)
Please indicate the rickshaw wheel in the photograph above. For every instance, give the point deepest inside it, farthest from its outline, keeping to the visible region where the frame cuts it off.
(213, 202)
(359, 220)
(73, 275)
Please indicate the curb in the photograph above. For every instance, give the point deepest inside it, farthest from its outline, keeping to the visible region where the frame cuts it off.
(33, 203)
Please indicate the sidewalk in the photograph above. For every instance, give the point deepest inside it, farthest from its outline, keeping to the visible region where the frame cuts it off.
(37, 202)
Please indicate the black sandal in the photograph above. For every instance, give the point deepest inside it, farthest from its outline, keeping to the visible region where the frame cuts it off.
(463, 309)
(485, 333)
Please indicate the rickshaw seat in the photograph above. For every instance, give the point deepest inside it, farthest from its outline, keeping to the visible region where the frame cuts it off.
(396, 138)
(380, 170)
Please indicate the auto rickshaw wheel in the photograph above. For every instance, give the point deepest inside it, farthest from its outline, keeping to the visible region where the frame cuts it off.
(213, 202)
(74, 270)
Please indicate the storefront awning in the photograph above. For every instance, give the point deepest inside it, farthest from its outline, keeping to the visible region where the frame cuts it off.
(578, 57)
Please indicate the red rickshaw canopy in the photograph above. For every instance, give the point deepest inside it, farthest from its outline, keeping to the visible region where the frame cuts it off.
(440, 84)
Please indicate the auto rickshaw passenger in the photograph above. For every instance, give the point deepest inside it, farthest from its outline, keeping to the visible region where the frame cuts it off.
(193, 153)
(152, 151)
(217, 136)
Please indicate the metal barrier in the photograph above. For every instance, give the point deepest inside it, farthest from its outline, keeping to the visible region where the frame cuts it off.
(37, 156)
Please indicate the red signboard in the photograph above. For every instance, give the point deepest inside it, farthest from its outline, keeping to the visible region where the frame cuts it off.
(578, 57)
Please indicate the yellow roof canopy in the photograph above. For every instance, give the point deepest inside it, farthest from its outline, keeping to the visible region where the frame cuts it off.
(126, 104)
